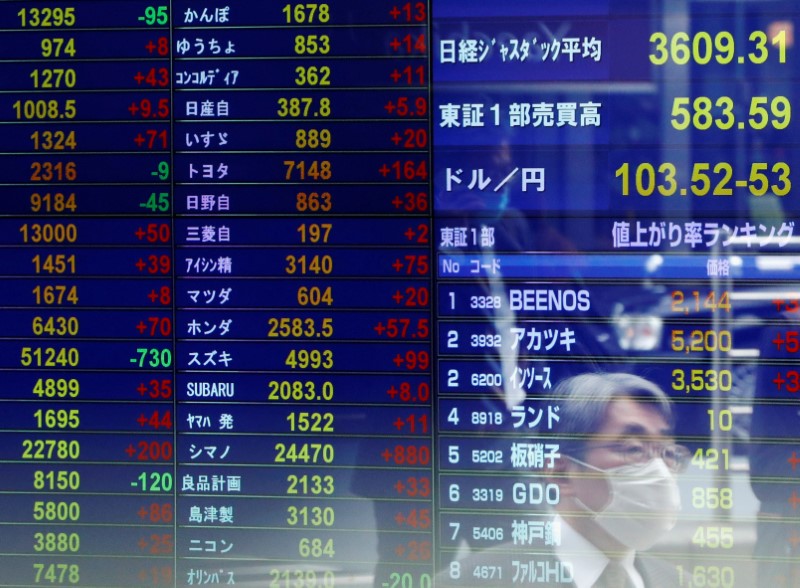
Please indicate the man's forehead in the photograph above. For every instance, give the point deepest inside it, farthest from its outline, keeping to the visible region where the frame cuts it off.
(630, 417)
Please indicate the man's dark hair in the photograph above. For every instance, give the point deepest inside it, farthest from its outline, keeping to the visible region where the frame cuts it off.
(584, 399)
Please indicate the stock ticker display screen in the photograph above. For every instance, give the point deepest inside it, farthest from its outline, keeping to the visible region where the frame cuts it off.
(376, 293)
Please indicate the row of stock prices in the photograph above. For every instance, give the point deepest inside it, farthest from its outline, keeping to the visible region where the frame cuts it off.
(399, 294)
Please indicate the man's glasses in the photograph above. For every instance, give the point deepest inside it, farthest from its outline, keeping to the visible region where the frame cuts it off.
(634, 451)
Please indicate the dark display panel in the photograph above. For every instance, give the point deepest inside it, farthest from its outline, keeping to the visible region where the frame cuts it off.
(398, 294)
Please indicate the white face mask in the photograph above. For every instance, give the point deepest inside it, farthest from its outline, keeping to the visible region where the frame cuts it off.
(644, 504)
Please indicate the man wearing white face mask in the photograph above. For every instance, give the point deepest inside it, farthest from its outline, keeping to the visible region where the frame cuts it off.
(618, 493)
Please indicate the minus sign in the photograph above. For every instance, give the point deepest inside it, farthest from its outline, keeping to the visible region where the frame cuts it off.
(134, 484)
(133, 360)
(141, 18)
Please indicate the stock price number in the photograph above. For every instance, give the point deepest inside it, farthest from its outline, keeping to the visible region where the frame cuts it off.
(303, 107)
(711, 459)
(56, 326)
(307, 13)
(706, 576)
(54, 140)
(310, 422)
(58, 47)
(699, 301)
(312, 45)
(703, 113)
(281, 578)
(315, 547)
(312, 75)
(57, 542)
(57, 388)
(647, 179)
(310, 516)
(295, 327)
(57, 418)
(314, 232)
(50, 449)
(309, 264)
(56, 573)
(58, 202)
(44, 109)
(56, 511)
(47, 17)
(304, 453)
(701, 48)
(49, 357)
(304, 359)
(49, 233)
(57, 480)
(295, 390)
(54, 263)
(310, 485)
(700, 340)
(713, 537)
(702, 380)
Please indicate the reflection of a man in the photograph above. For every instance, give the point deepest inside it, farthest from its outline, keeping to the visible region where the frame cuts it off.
(618, 491)
(618, 494)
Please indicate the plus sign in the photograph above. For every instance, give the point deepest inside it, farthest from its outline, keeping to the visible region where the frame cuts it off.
(133, 109)
(398, 423)
(396, 138)
(130, 450)
(139, 140)
(384, 170)
(778, 341)
(141, 389)
(386, 455)
(153, 296)
(138, 77)
(396, 75)
(141, 420)
(141, 327)
(399, 519)
(150, 47)
(392, 392)
(779, 381)
(390, 107)
(794, 460)
(143, 544)
(397, 265)
(398, 360)
(140, 233)
(140, 264)
(395, 44)
(379, 328)
(778, 304)
(398, 202)
(410, 234)
(399, 550)
(794, 499)
(142, 512)
(394, 13)
(400, 487)
(143, 575)
(794, 539)
(398, 297)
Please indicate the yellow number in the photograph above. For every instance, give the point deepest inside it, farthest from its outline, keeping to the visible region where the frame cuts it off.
(312, 138)
(712, 498)
(58, 47)
(312, 44)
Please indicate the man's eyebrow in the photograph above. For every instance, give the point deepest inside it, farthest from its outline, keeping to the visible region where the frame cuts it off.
(636, 429)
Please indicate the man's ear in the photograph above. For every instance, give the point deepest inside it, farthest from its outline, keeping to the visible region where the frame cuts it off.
(563, 474)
